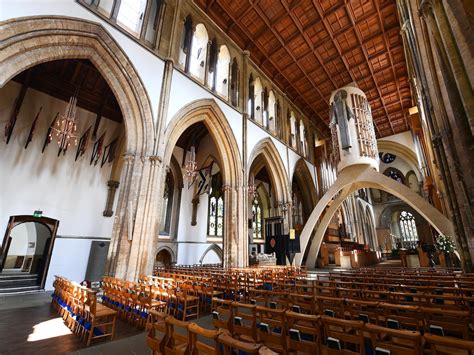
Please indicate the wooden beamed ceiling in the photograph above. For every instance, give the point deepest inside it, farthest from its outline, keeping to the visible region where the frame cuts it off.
(309, 48)
(61, 78)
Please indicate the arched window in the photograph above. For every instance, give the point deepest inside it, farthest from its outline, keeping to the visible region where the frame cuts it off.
(186, 42)
(131, 14)
(234, 83)
(408, 230)
(257, 218)
(197, 65)
(258, 102)
(167, 205)
(222, 75)
(251, 101)
(395, 174)
(293, 130)
(215, 227)
(302, 141)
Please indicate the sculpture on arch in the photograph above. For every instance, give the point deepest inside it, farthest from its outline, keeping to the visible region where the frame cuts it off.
(357, 168)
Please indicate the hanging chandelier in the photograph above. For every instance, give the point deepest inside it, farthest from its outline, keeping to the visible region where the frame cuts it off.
(190, 165)
(66, 127)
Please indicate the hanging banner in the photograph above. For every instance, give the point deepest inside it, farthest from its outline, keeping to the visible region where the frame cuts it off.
(83, 143)
(32, 129)
(49, 134)
(204, 178)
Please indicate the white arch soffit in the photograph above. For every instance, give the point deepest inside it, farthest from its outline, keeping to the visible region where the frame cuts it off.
(350, 180)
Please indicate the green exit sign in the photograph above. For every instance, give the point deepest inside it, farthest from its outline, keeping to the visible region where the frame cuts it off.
(37, 213)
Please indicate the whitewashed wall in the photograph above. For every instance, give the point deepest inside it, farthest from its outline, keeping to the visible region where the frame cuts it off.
(72, 192)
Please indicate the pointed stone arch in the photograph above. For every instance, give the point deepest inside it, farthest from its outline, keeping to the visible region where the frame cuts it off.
(266, 154)
(29, 41)
(208, 112)
(303, 177)
(216, 249)
(350, 180)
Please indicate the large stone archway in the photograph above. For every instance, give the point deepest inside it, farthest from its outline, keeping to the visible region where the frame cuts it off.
(29, 41)
(208, 112)
(350, 180)
(265, 154)
(302, 176)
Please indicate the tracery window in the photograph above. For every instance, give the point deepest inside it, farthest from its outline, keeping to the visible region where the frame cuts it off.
(222, 71)
(257, 219)
(408, 230)
(215, 226)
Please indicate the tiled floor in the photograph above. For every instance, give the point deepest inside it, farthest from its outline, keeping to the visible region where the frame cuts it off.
(29, 326)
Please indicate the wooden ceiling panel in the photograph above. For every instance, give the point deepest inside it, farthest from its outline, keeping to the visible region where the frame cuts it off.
(305, 13)
(311, 47)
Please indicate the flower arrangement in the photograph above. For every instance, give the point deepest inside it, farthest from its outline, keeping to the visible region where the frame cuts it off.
(445, 244)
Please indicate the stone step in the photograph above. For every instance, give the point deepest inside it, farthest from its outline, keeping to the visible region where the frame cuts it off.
(18, 290)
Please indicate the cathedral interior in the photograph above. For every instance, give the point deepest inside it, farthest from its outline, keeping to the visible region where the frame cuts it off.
(237, 177)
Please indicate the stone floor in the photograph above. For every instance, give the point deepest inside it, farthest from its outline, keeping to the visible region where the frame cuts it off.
(29, 326)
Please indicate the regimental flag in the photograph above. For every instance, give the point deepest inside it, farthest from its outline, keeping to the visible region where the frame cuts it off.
(97, 150)
(109, 152)
(83, 143)
(49, 134)
(32, 129)
(204, 178)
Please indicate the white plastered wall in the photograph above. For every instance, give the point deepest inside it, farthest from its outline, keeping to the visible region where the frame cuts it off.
(72, 192)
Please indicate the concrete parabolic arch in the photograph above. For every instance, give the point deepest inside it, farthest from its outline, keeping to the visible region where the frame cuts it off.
(351, 179)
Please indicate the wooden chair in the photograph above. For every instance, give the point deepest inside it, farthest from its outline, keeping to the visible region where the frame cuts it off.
(454, 323)
(156, 336)
(274, 334)
(309, 328)
(247, 330)
(347, 333)
(408, 317)
(366, 311)
(398, 342)
(198, 347)
(100, 320)
(440, 345)
(231, 346)
(328, 305)
(223, 320)
(187, 305)
(176, 343)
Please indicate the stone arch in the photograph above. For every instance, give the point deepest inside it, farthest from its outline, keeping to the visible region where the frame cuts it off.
(216, 249)
(208, 112)
(303, 176)
(30, 41)
(350, 180)
(400, 151)
(265, 153)
(169, 250)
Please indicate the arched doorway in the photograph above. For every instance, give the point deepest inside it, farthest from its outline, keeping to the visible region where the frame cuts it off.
(26, 250)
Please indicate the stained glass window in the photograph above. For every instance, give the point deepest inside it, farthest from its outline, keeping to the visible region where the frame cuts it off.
(216, 208)
(257, 219)
(408, 230)
(395, 174)
(387, 158)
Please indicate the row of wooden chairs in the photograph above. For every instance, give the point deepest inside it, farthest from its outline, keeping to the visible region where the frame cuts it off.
(81, 312)
(133, 301)
(285, 331)
(168, 335)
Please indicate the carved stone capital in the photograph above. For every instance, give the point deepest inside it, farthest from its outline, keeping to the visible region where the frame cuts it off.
(426, 8)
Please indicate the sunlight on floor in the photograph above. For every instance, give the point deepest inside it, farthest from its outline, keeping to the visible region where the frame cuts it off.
(49, 329)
